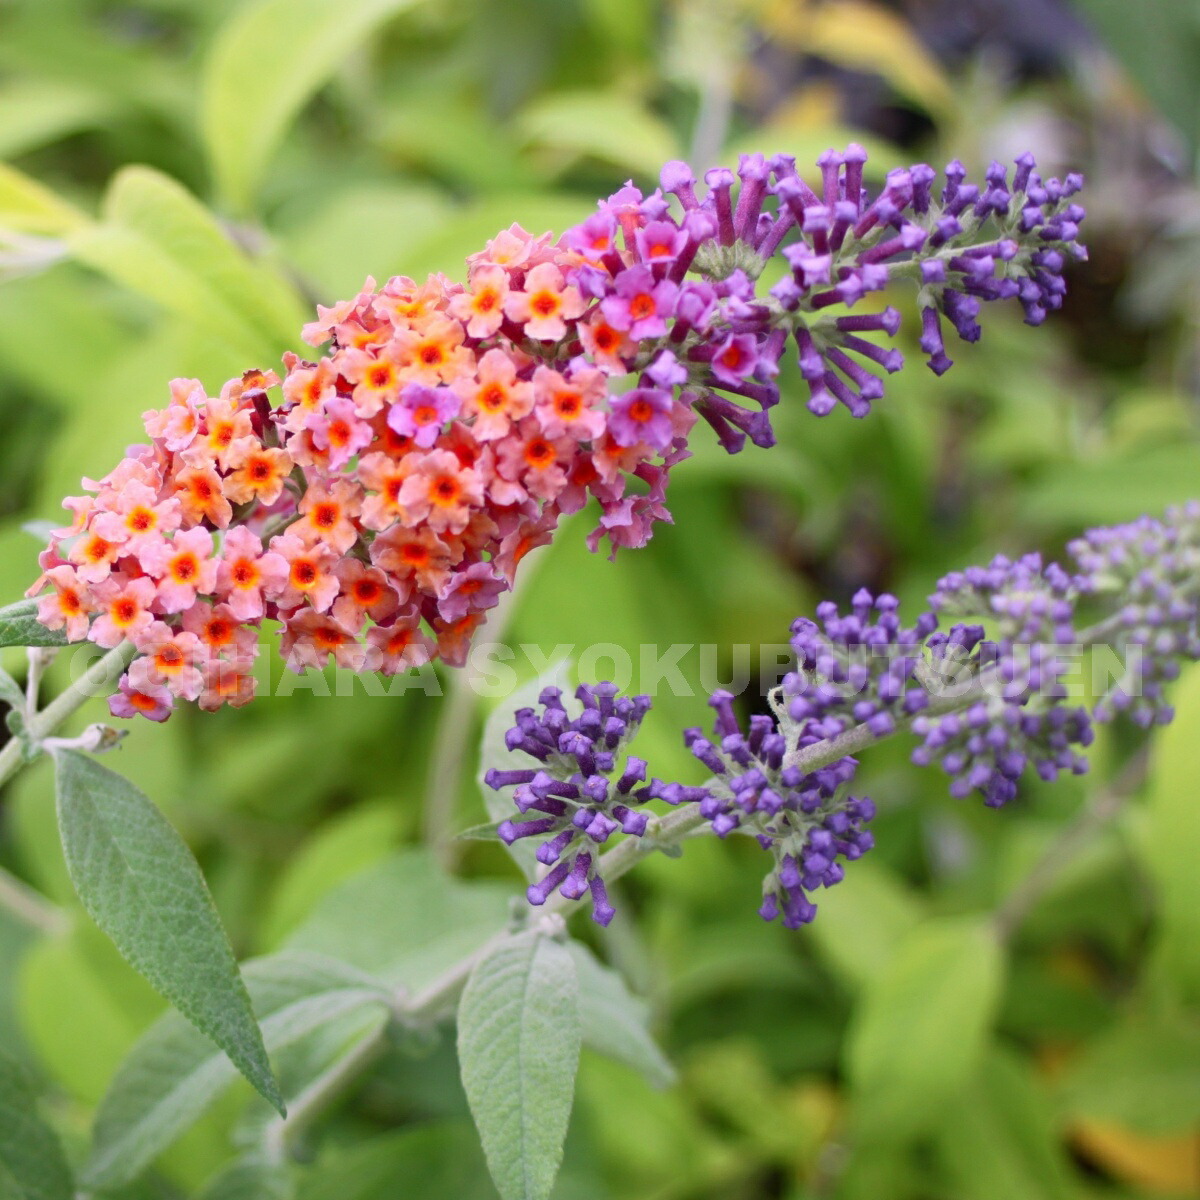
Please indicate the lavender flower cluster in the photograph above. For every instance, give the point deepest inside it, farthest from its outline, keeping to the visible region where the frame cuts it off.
(986, 700)
(1148, 574)
(721, 340)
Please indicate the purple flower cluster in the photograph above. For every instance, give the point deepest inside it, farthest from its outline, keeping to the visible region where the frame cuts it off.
(1017, 716)
(678, 304)
(573, 792)
(804, 820)
(1151, 570)
(857, 668)
(988, 702)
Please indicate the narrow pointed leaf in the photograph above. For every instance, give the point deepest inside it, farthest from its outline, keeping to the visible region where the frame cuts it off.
(174, 1073)
(518, 1047)
(142, 887)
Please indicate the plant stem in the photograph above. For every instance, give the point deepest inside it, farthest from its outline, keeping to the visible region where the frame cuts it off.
(28, 906)
(102, 673)
(450, 754)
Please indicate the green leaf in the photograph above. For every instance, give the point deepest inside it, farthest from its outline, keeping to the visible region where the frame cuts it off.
(174, 1073)
(140, 884)
(422, 920)
(614, 1021)
(36, 112)
(518, 1046)
(434, 1162)
(605, 125)
(28, 207)
(250, 1178)
(920, 1028)
(1142, 1075)
(158, 240)
(20, 627)
(264, 65)
(494, 753)
(1159, 50)
(338, 851)
(1001, 1140)
(32, 1165)
(860, 927)
(1170, 845)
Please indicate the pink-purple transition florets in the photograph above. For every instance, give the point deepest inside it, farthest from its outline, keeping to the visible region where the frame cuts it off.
(691, 280)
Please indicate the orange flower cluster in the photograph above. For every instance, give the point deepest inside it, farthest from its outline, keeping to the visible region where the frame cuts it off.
(377, 501)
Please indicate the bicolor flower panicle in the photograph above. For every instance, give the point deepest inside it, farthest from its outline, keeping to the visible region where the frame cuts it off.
(377, 499)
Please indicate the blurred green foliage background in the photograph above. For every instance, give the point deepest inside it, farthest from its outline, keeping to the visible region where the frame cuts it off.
(284, 150)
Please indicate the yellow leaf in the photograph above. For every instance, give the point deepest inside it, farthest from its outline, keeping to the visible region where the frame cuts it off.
(28, 207)
(863, 37)
(1170, 1165)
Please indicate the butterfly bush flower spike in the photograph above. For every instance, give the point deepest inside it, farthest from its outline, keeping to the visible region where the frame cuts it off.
(447, 428)
(582, 790)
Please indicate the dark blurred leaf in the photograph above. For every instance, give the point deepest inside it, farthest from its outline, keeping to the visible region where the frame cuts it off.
(1170, 843)
(999, 1142)
(518, 1043)
(340, 849)
(921, 1025)
(142, 887)
(421, 921)
(861, 925)
(1160, 50)
(434, 1162)
(36, 111)
(173, 1074)
(32, 1164)
(77, 1010)
(865, 37)
(250, 1178)
(1114, 489)
(1143, 1075)
(613, 128)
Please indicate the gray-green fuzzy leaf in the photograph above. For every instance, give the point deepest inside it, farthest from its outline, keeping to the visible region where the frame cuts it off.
(32, 1165)
(143, 888)
(518, 1047)
(19, 626)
